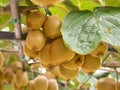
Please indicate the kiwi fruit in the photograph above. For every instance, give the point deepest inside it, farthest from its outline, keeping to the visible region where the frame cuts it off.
(43, 3)
(101, 49)
(55, 53)
(9, 75)
(68, 74)
(2, 87)
(30, 85)
(106, 84)
(52, 26)
(44, 55)
(35, 20)
(21, 79)
(118, 85)
(75, 62)
(17, 66)
(1, 76)
(55, 72)
(1, 59)
(53, 85)
(41, 83)
(91, 63)
(30, 53)
(35, 40)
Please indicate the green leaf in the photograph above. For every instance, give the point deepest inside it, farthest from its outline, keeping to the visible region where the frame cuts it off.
(4, 2)
(80, 31)
(12, 58)
(59, 10)
(112, 2)
(109, 19)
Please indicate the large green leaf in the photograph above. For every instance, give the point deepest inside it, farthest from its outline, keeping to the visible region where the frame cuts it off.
(109, 19)
(80, 31)
(83, 30)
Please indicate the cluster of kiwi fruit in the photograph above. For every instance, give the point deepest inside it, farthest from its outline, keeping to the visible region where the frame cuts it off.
(13, 74)
(107, 84)
(42, 83)
(44, 42)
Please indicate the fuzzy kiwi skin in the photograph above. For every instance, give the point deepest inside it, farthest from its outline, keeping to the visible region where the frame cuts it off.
(106, 84)
(91, 63)
(35, 40)
(75, 63)
(35, 20)
(41, 83)
(9, 75)
(53, 85)
(21, 79)
(68, 74)
(55, 53)
(52, 26)
(30, 85)
(17, 64)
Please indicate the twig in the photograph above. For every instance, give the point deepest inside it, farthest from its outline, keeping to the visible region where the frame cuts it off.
(117, 77)
(17, 24)
(105, 58)
(9, 51)
(10, 36)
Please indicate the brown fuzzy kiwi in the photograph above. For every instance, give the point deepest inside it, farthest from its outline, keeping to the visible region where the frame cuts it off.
(52, 27)
(118, 85)
(1, 76)
(68, 74)
(55, 72)
(53, 85)
(30, 85)
(41, 83)
(30, 53)
(74, 63)
(106, 84)
(101, 49)
(35, 40)
(2, 87)
(35, 20)
(9, 75)
(46, 2)
(1, 59)
(91, 63)
(55, 53)
(17, 66)
(21, 79)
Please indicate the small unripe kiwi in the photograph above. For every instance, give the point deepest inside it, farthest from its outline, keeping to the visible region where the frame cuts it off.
(41, 83)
